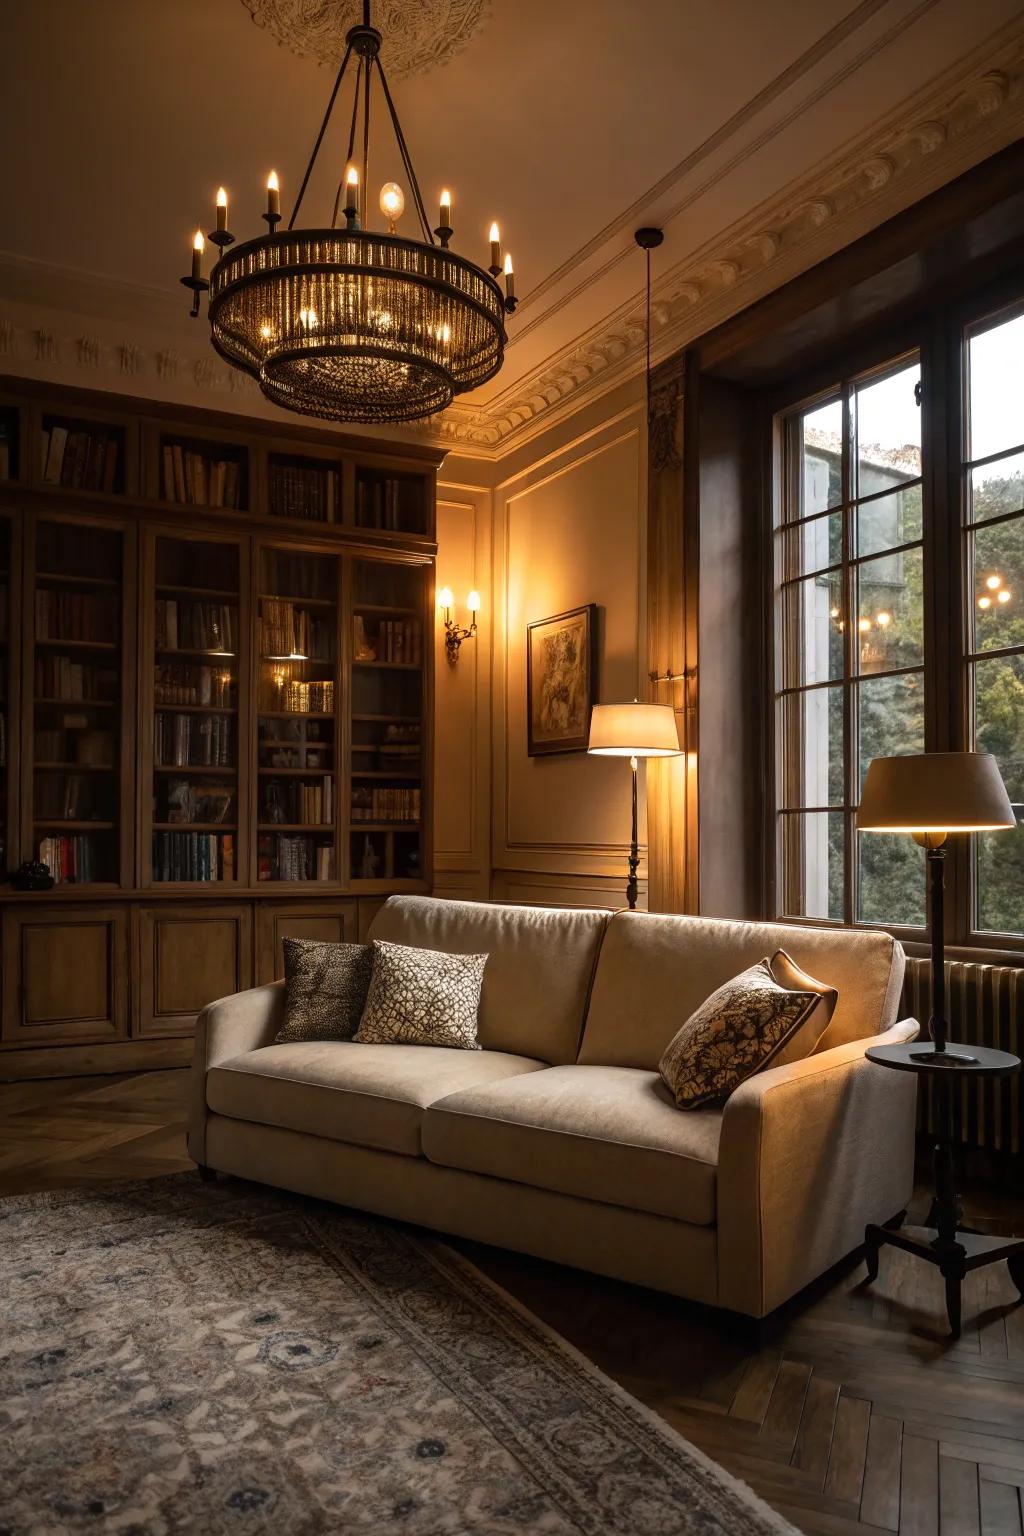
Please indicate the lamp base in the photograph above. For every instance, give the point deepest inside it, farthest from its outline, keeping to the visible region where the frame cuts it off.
(931, 1057)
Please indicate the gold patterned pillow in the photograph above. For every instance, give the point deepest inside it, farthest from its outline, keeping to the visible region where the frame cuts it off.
(741, 1028)
(421, 997)
(325, 987)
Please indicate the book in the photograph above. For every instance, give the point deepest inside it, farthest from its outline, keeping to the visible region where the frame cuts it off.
(54, 460)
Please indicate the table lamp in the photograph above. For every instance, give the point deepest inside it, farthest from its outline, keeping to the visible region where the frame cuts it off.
(930, 795)
(633, 731)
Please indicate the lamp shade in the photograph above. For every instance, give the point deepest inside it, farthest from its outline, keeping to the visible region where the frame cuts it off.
(633, 730)
(935, 792)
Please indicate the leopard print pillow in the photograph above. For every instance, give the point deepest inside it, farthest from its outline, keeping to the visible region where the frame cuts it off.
(736, 1032)
(421, 997)
(325, 987)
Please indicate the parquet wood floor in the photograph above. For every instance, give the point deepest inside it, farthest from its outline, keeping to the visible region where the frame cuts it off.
(857, 1416)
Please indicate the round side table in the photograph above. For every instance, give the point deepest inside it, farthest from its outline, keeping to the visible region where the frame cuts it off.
(954, 1250)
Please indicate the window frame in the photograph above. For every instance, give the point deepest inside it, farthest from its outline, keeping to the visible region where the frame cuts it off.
(940, 341)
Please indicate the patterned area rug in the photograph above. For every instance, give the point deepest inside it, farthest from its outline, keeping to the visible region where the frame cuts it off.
(178, 1357)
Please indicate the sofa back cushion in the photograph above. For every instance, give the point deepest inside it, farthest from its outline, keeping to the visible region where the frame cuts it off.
(655, 970)
(540, 964)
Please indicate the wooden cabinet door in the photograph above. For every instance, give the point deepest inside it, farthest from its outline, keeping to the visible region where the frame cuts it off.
(65, 975)
(332, 921)
(186, 957)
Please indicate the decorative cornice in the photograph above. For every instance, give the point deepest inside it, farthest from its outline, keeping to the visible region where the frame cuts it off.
(935, 136)
(929, 140)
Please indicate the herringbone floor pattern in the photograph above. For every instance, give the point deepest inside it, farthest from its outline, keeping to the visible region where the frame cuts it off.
(858, 1416)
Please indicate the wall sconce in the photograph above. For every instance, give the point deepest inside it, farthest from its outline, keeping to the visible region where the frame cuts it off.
(453, 635)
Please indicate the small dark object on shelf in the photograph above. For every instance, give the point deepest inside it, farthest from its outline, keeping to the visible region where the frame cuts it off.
(33, 876)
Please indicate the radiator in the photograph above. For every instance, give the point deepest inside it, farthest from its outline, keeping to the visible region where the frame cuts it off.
(985, 1006)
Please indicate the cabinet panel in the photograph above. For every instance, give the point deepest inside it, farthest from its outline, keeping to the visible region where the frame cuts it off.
(331, 922)
(65, 976)
(188, 957)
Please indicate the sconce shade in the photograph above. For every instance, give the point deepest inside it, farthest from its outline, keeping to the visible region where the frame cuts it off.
(935, 792)
(633, 730)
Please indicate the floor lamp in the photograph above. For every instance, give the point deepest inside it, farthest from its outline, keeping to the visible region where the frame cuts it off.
(633, 731)
(929, 795)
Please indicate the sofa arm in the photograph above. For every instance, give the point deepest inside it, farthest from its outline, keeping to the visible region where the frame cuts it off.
(229, 1027)
(810, 1153)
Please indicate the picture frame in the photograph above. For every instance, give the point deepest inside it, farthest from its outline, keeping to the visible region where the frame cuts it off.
(561, 681)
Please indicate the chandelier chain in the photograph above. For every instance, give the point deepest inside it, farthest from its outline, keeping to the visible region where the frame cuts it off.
(366, 126)
(351, 147)
(320, 137)
(428, 233)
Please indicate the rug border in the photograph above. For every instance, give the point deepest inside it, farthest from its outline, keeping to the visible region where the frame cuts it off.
(439, 1253)
(649, 1416)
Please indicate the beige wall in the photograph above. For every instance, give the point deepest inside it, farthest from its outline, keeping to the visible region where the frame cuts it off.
(462, 748)
(564, 526)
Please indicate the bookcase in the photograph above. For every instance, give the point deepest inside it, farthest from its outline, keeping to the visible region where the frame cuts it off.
(216, 685)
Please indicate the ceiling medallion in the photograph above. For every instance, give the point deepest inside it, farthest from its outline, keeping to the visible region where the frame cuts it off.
(350, 323)
(421, 37)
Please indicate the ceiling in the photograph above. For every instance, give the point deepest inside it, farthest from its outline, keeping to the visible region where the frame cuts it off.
(571, 122)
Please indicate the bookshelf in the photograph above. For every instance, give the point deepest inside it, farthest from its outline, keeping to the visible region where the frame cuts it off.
(10, 443)
(195, 472)
(6, 565)
(214, 717)
(197, 642)
(297, 716)
(387, 722)
(308, 489)
(76, 683)
(389, 501)
(82, 454)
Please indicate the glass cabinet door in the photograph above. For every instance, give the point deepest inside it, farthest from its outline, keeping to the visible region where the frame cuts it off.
(78, 823)
(7, 715)
(386, 812)
(297, 716)
(195, 724)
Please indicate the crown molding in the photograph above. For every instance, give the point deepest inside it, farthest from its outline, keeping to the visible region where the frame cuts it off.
(56, 321)
(932, 138)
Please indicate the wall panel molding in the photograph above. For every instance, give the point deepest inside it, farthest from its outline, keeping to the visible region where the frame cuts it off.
(462, 746)
(571, 484)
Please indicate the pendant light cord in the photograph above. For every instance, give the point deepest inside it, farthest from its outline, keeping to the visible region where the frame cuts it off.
(647, 255)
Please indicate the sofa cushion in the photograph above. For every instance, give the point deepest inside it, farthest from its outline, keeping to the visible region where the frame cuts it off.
(655, 970)
(421, 997)
(370, 1095)
(540, 964)
(605, 1133)
(736, 1032)
(325, 987)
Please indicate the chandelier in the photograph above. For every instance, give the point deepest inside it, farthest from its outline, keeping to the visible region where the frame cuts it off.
(351, 323)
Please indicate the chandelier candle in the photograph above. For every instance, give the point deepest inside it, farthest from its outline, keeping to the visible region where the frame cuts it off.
(353, 323)
(198, 246)
(444, 230)
(352, 197)
(222, 210)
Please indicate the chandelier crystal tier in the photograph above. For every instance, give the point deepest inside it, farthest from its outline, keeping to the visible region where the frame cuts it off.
(349, 323)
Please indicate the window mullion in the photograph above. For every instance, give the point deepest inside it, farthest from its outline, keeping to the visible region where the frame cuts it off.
(849, 655)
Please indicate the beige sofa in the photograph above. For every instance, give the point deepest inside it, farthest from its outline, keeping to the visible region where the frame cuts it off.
(558, 1138)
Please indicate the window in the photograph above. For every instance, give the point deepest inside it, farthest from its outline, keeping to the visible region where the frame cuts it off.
(993, 556)
(899, 578)
(850, 682)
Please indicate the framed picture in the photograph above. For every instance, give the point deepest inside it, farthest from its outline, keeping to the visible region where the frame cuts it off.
(561, 681)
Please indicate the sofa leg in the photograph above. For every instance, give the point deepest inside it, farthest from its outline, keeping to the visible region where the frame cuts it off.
(206, 1174)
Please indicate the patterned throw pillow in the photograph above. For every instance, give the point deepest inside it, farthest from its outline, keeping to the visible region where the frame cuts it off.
(325, 987)
(421, 997)
(736, 1032)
